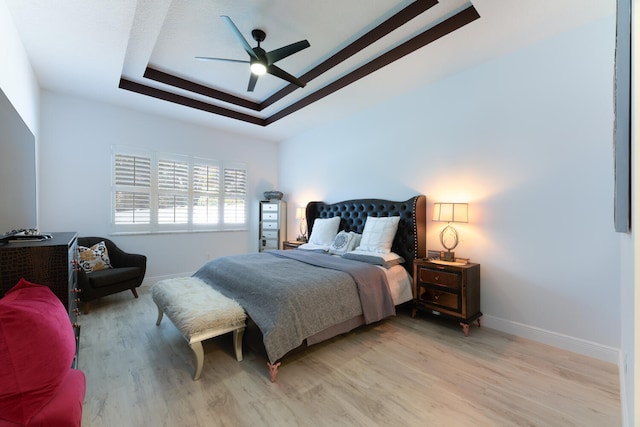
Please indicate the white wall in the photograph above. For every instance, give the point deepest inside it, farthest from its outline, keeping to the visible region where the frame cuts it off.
(17, 79)
(18, 82)
(525, 139)
(75, 174)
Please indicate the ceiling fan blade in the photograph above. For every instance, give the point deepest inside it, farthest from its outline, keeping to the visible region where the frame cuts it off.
(239, 36)
(283, 52)
(279, 72)
(209, 58)
(252, 82)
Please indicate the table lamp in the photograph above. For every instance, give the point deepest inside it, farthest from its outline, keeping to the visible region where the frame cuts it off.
(302, 217)
(450, 212)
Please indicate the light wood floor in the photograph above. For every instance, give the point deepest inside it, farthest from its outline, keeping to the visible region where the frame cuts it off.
(400, 372)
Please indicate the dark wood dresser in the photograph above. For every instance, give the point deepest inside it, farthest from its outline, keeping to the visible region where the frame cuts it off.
(49, 263)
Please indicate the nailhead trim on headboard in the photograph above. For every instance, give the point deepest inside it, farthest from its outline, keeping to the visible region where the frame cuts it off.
(410, 240)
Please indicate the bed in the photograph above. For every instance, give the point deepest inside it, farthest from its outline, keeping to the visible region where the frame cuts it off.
(297, 298)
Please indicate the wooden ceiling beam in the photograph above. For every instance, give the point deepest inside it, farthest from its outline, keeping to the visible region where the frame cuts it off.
(449, 25)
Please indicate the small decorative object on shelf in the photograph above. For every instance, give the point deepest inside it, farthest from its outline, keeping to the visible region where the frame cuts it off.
(273, 195)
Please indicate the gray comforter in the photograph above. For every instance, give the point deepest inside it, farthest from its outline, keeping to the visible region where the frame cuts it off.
(292, 295)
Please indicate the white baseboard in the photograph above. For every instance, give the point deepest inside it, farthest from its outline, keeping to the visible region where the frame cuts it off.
(577, 345)
(149, 281)
(566, 342)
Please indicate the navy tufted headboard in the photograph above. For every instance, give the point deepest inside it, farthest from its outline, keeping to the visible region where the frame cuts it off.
(410, 241)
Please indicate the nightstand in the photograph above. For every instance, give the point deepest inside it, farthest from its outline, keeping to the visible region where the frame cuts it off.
(447, 289)
(292, 244)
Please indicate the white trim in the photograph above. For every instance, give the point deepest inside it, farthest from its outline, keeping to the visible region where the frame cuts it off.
(150, 281)
(566, 342)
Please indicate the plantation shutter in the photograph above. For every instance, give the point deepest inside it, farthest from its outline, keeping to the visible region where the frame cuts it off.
(235, 195)
(206, 193)
(132, 180)
(173, 192)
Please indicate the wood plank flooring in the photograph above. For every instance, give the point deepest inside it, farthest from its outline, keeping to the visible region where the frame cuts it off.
(399, 372)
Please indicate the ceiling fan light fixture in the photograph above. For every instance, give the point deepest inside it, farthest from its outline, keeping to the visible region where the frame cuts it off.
(258, 68)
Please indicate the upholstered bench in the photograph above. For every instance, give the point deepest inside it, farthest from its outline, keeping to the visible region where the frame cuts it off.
(199, 312)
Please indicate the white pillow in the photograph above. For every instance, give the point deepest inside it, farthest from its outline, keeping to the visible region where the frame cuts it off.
(344, 242)
(356, 239)
(378, 234)
(324, 231)
(375, 258)
(312, 247)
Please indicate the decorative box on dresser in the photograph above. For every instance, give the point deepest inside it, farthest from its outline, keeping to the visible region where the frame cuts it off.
(451, 290)
(273, 224)
(50, 263)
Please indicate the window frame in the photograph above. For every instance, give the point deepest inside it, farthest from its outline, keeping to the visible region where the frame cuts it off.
(156, 191)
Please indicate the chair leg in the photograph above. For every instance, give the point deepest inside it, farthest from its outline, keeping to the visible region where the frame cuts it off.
(85, 305)
(135, 293)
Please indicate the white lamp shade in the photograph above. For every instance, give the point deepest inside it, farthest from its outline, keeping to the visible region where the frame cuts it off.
(300, 213)
(451, 212)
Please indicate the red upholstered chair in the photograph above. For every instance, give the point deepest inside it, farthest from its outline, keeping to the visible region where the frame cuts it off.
(38, 387)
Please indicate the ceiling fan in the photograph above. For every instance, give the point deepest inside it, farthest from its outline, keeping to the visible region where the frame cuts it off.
(260, 60)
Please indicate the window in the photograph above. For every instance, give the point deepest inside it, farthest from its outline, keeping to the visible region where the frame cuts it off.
(173, 192)
(235, 199)
(206, 193)
(162, 192)
(132, 193)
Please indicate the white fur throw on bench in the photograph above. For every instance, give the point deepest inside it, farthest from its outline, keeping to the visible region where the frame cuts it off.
(199, 312)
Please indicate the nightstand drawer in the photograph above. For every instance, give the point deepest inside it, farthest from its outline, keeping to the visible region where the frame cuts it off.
(439, 298)
(441, 278)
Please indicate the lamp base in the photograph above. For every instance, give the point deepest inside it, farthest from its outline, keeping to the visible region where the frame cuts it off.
(447, 256)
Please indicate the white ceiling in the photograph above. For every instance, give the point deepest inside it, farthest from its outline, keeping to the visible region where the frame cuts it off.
(84, 47)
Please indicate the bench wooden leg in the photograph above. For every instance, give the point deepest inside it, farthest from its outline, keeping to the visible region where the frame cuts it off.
(199, 352)
(135, 293)
(160, 314)
(237, 343)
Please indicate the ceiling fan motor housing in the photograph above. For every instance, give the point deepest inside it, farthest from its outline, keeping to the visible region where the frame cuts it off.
(261, 61)
(258, 35)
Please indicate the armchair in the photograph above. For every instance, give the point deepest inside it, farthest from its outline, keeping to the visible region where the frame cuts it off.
(127, 272)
